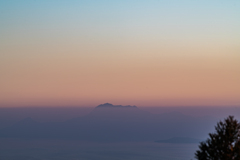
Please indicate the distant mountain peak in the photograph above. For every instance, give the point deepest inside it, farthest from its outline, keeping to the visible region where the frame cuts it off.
(114, 106)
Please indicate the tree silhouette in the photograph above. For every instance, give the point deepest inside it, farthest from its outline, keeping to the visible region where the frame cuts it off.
(224, 144)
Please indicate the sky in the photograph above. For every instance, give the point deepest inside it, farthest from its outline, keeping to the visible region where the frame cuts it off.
(144, 53)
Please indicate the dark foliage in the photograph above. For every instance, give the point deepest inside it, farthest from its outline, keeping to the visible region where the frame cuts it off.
(224, 144)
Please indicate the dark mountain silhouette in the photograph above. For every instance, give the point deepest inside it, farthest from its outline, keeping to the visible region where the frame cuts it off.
(180, 140)
(114, 106)
(111, 123)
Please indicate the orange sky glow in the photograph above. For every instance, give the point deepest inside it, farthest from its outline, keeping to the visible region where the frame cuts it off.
(137, 62)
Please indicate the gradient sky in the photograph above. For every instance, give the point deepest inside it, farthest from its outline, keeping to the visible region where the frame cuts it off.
(144, 53)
